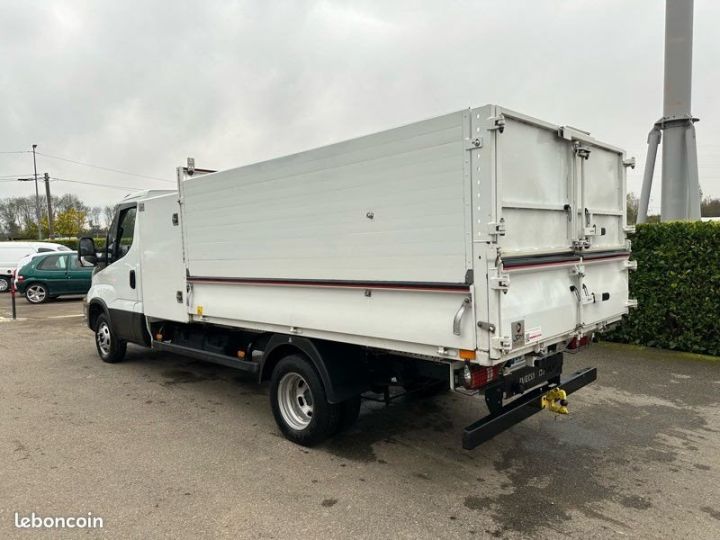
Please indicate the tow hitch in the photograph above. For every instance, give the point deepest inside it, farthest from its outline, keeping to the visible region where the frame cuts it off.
(556, 401)
(550, 396)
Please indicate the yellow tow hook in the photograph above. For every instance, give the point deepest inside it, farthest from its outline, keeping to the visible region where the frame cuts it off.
(556, 401)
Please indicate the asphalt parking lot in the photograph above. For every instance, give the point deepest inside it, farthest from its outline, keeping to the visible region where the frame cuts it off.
(162, 446)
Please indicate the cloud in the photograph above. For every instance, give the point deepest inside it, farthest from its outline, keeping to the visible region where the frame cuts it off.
(139, 86)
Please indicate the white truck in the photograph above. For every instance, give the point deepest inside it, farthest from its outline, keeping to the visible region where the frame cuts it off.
(472, 249)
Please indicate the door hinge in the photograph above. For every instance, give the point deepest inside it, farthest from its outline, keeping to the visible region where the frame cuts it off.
(498, 123)
(629, 162)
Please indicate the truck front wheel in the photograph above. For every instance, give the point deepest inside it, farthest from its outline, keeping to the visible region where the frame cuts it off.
(110, 348)
(299, 402)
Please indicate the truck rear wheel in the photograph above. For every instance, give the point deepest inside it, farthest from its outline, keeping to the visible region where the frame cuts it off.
(299, 402)
(110, 348)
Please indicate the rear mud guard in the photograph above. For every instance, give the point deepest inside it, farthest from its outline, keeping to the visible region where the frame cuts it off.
(522, 408)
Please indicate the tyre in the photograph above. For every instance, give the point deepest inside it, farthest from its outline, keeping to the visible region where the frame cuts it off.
(36, 293)
(110, 348)
(4, 284)
(299, 403)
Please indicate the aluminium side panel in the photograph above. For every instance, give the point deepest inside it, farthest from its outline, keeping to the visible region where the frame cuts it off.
(364, 241)
(386, 207)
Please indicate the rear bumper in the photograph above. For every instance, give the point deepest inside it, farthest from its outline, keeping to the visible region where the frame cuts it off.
(522, 408)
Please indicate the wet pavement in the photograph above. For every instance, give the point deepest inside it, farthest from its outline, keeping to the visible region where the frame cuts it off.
(165, 446)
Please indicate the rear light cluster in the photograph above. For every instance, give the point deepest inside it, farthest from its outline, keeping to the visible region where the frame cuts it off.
(475, 377)
(20, 279)
(578, 343)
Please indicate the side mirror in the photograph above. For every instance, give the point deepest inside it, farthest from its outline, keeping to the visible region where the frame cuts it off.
(87, 254)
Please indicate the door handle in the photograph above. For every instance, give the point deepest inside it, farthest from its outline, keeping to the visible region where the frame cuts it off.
(132, 279)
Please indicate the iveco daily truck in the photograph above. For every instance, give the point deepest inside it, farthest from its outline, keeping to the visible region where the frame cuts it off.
(472, 249)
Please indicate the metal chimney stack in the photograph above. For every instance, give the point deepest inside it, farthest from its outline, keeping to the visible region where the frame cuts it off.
(680, 185)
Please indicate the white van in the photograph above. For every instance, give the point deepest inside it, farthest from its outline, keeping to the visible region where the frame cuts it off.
(11, 253)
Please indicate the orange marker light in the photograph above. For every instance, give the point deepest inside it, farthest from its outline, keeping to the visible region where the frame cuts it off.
(466, 354)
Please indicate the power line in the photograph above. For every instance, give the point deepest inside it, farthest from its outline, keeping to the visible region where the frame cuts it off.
(135, 188)
(16, 152)
(105, 168)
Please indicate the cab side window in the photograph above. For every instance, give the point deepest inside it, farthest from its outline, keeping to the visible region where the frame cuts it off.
(122, 237)
(53, 262)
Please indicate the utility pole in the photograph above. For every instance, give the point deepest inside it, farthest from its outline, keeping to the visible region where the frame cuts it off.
(680, 184)
(49, 205)
(37, 195)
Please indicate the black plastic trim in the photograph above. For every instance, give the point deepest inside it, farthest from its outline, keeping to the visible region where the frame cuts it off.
(207, 356)
(524, 407)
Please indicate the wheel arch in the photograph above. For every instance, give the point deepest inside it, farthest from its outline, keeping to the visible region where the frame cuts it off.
(341, 366)
(96, 308)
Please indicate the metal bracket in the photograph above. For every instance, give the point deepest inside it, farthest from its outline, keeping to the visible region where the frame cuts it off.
(500, 283)
(498, 123)
(497, 229)
(630, 265)
(580, 244)
(629, 229)
(629, 162)
(503, 343)
(490, 327)
(475, 144)
(578, 270)
(457, 320)
(631, 303)
(582, 151)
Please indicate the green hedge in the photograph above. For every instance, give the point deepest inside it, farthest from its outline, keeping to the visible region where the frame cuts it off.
(72, 243)
(677, 285)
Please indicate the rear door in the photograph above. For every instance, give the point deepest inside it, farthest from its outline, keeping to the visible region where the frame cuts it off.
(557, 257)
(52, 270)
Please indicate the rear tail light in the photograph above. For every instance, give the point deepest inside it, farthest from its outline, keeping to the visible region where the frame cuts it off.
(475, 377)
(20, 279)
(578, 343)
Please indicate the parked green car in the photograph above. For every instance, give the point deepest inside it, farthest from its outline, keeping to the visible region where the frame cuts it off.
(51, 275)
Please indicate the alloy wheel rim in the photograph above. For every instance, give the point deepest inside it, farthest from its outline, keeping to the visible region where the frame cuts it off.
(4, 285)
(36, 293)
(295, 400)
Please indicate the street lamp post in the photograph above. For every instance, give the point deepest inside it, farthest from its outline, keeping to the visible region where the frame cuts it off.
(37, 195)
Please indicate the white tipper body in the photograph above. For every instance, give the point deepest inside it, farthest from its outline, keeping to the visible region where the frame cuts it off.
(484, 230)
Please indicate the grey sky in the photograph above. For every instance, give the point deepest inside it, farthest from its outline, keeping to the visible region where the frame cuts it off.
(139, 86)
